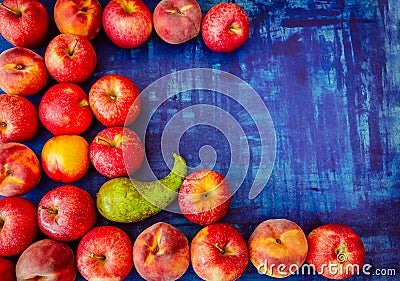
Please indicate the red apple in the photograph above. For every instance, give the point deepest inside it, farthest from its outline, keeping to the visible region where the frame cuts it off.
(116, 152)
(23, 23)
(204, 197)
(225, 27)
(70, 58)
(161, 253)
(278, 247)
(177, 21)
(18, 225)
(22, 72)
(66, 213)
(79, 17)
(219, 252)
(115, 100)
(105, 253)
(64, 110)
(7, 270)
(20, 170)
(18, 119)
(335, 251)
(46, 260)
(65, 158)
(128, 23)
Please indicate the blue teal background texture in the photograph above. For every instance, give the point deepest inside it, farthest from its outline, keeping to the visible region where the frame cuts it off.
(328, 71)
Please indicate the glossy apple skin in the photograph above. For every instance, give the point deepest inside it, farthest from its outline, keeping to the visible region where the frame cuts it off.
(20, 169)
(105, 252)
(116, 152)
(19, 120)
(177, 21)
(48, 260)
(7, 270)
(212, 264)
(204, 197)
(30, 29)
(18, 216)
(128, 23)
(22, 72)
(115, 100)
(64, 110)
(70, 58)
(65, 158)
(161, 253)
(277, 242)
(79, 17)
(336, 245)
(66, 213)
(225, 27)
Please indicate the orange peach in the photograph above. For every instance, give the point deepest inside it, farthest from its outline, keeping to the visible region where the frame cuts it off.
(278, 247)
(65, 158)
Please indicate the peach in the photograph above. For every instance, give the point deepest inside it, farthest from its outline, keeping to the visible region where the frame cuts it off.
(278, 247)
(161, 252)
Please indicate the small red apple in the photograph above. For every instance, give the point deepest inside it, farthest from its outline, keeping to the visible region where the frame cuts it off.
(64, 110)
(161, 253)
(22, 72)
(219, 252)
(225, 27)
(335, 251)
(204, 197)
(115, 100)
(18, 225)
(46, 259)
(20, 170)
(23, 23)
(116, 152)
(70, 58)
(79, 17)
(278, 247)
(177, 21)
(18, 119)
(66, 213)
(65, 158)
(105, 253)
(128, 23)
(7, 270)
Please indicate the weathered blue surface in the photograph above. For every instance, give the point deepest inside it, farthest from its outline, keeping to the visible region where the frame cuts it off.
(328, 71)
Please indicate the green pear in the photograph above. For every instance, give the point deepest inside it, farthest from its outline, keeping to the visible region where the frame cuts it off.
(127, 200)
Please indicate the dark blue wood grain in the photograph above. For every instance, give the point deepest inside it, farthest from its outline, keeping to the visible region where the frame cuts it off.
(328, 72)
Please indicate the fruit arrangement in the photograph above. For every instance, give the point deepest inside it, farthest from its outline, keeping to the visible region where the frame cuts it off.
(68, 213)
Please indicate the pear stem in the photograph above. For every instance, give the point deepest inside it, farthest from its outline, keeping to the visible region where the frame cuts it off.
(16, 13)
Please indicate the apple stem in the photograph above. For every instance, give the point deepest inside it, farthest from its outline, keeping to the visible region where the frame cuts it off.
(103, 141)
(73, 48)
(222, 251)
(98, 257)
(234, 28)
(19, 67)
(5, 173)
(83, 103)
(341, 253)
(278, 241)
(50, 210)
(1, 223)
(3, 124)
(18, 14)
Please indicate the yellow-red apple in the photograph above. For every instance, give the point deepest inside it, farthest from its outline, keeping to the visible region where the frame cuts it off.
(65, 158)
(161, 253)
(79, 17)
(278, 247)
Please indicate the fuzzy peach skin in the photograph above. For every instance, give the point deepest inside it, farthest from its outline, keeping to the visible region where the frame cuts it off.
(20, 169)
(278, 247)
(65, 158)
(22, 72)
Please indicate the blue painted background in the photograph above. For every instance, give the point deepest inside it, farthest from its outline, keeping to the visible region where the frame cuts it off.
(328, 71)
